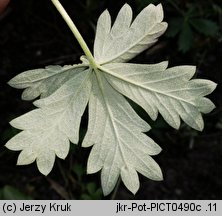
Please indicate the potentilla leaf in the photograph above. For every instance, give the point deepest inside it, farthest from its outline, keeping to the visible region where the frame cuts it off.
(125, 40)
(168, 91)
(48, 129)
(120, 147)
(44, 81)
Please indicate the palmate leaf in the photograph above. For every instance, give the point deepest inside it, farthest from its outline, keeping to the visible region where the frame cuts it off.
(48, 129)
(115, 131)
(120, 147)
(168, 91)
(43, 82)
(125, 40)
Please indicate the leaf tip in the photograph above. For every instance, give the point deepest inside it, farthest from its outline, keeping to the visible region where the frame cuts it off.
(199, 124)
(210, 86)
(43, 170)
(212, 107)
(126, 5)
(14, 82)
(20, 162)
(11, 82)
(200, 127)
(8, 145)
(159, 176)
(159, 7)
(11, 145)
(38, 103)
(45, 173)
(13, 123)
(214, 85)
(105, 14)
(25, 159)
(105, 193)
(160, 14)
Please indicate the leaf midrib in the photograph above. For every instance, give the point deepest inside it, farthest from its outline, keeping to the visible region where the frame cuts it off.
(55, 74)
(100, 85)
(62, 112)
(126, 50)
(107, 71)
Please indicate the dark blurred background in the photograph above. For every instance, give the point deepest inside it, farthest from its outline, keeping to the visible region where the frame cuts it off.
(33, 35)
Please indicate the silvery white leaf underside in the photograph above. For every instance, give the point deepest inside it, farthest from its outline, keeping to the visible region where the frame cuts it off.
(120, 147)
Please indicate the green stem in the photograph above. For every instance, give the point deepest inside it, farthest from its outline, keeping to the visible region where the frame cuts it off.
(75, 31)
